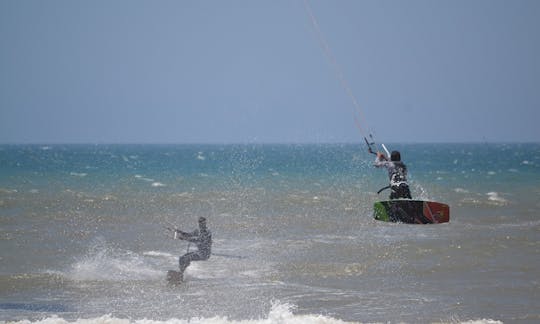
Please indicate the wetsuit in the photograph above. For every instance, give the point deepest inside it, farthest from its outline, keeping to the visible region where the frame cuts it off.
(203, 241)
(397, 172)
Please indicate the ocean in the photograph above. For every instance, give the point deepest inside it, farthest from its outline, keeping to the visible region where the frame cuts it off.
(83, 238)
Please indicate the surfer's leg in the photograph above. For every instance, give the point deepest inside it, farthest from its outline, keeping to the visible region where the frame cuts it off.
(184, 261)
(404, 191)
(408, 192)
(393, 193)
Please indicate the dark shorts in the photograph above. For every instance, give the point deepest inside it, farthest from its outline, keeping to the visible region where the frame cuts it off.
(401, 191)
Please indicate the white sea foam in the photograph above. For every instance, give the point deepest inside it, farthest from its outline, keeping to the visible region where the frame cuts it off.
(103, 263)
(159, 254)
(158, 184)
(7, 191)
(419, 191)
(482, 321)
(78, 174)
(495, 198)
(140, 177)
(280, 313)
(471, 201)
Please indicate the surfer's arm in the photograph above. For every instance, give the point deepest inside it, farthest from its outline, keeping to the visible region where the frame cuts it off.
(187, 236)
(193, 239)
(381, 160)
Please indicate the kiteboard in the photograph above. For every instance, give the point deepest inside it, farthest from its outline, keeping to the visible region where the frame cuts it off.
(411, 211)
(174, 277)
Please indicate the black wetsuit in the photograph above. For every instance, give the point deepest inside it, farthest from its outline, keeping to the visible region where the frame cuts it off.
(203, 241)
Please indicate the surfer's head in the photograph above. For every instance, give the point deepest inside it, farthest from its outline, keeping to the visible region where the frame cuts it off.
(395, 156)
(202, 222)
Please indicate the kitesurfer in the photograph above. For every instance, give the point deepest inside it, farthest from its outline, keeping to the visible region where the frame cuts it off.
(202, 239)
(397, 172)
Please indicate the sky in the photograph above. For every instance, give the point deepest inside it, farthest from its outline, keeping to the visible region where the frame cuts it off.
(253, 71)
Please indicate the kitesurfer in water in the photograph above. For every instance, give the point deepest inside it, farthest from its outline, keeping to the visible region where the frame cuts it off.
(397, 172)
(202, 239)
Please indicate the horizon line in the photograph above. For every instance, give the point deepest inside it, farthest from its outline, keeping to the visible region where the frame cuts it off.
(267, 143)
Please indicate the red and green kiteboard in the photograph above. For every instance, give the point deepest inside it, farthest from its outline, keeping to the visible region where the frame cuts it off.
(411, 211)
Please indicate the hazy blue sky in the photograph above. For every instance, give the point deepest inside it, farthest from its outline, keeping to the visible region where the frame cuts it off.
(254, 71)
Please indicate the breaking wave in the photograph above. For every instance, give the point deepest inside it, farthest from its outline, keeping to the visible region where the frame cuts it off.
(281, 313)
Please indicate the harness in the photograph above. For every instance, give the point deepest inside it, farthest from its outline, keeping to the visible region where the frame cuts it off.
(397, 178)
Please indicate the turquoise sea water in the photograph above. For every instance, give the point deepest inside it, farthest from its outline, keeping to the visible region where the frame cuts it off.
(82, 234)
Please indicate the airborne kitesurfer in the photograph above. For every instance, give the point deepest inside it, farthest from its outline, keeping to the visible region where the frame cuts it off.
(397, 172)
